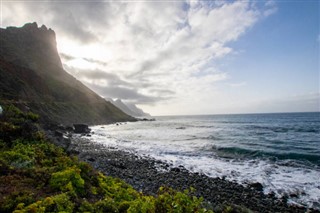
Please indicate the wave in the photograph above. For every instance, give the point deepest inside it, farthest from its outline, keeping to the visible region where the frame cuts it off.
(236, 152)
(282, 129)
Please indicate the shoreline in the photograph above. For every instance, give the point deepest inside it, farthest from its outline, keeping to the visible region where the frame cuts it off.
(147, 175)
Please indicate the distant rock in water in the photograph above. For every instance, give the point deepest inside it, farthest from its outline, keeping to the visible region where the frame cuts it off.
(32, 77)
(129, 108)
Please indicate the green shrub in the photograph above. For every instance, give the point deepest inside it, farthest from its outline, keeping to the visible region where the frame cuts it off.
(86, 207)
(57, 203)
(169, 200)
(16, 159)
(16, 197)
(144, 204)
(32, 116)
(117, 189)
(68, 180)
(106, 205)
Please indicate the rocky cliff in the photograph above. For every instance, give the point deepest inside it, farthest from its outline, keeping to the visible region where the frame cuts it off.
(32, 78)
(129, 108)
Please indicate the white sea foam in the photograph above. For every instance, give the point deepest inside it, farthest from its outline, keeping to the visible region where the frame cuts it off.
(165, 141)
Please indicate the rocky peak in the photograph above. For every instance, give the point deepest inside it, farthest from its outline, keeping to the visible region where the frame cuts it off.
(34, 47)
(32, 28)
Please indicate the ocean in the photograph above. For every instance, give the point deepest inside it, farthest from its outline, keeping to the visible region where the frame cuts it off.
(281, 151)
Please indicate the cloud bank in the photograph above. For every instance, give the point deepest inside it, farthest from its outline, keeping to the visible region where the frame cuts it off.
(154, 53)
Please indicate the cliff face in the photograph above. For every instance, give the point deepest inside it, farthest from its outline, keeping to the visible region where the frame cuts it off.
(32, 77)
(130, 109)
(30, 46)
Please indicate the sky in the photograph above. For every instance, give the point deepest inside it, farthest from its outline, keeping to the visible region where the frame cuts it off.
(187, 57)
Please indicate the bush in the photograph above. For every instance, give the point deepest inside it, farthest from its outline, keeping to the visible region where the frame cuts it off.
(169, 200)
(58, 203)
(68, 180)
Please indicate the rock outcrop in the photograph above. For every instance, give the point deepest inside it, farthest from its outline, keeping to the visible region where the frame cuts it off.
(81, 128)
(32, 77)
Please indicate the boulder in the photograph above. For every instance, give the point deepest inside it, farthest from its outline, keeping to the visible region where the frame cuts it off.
(258, 186)
(81, 128)
(69, 128)
(58, 133)
(61, 127)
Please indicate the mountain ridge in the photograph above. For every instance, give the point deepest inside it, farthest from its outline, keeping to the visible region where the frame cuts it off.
(32, 77)
(129, 108)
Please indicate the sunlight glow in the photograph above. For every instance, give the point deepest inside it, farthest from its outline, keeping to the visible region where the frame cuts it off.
(81, 63)
(89, 51)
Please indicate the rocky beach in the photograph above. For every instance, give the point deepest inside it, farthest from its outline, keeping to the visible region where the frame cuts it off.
(147, 175)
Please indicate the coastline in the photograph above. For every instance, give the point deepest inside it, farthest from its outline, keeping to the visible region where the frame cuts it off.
(147, 175)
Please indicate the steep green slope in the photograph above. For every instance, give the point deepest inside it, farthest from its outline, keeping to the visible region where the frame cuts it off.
(32, 77)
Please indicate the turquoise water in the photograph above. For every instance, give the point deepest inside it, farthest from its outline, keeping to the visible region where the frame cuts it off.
(281, 151)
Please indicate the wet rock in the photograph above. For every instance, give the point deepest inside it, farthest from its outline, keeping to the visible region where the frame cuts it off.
(294, 195)
(91, 159)
(258, 186)
(81, 128)
(61, 127)
(58, 133)
(69, 128)
(175, 170)
(182, 127)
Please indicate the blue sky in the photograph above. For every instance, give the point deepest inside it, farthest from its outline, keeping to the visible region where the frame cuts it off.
(188, 57)
(280, 54)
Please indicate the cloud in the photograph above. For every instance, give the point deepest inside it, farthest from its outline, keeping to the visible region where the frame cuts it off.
(110, 85)
(149, 52)
(67, 58)
(131, 95)
(270, 8)
(240, 84)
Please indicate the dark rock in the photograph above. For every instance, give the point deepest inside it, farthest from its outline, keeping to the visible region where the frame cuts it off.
(91, 159)
(69, 128)
(272, 195)
(294, 195)
(58, 133)
(81, 128)
(258, 186)
(146, 119)
(181, 127)
(175, 170)
(61, 127)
